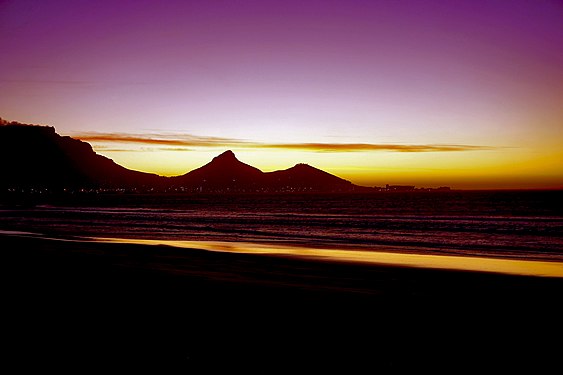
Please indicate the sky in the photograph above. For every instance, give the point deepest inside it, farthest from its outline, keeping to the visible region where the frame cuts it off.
(465, 93)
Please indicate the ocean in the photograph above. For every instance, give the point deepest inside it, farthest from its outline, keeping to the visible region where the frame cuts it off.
(505, 224)
(85, 286)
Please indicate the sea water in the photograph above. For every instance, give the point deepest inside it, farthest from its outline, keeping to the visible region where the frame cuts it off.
(505, 224)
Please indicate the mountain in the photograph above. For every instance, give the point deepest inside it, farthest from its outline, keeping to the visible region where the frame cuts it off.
(35, 157)
(303, 177)
(224, 173)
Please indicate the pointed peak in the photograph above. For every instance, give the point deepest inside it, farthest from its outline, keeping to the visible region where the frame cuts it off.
(227, 155)
(302, 166)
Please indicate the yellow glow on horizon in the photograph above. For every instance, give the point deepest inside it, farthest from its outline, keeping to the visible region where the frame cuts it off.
(496, 168)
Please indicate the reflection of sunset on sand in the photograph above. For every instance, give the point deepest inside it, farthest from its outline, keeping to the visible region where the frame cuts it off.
(467, 263)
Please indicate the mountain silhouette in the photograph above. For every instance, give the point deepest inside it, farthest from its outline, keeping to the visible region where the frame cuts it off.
(303, 177)
(36, 157)
(224, 172)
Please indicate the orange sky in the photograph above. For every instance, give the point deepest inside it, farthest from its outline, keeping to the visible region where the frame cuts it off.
(459, 166)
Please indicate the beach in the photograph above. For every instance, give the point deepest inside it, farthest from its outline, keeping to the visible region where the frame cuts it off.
(76, 304)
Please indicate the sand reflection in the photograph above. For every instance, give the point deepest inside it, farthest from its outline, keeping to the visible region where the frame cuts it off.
(468, 263)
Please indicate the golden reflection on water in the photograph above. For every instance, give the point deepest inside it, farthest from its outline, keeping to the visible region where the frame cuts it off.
(467, 263)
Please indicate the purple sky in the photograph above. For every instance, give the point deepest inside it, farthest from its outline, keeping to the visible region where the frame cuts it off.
(480, 73)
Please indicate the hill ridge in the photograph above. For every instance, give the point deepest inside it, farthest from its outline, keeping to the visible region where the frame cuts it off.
(41, 158)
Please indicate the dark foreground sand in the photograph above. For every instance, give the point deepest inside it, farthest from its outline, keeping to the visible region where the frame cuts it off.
(75, 305)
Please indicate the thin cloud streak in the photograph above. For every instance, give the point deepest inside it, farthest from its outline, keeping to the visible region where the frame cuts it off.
(346, 147)
(71, 83)
(184, 140)
(160, 140)
(144, 149)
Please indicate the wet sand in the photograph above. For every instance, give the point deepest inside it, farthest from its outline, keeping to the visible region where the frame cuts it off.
(390, 257)
(80, 305)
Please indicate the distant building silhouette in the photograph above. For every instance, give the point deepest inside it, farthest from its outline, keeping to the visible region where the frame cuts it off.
(399, 187)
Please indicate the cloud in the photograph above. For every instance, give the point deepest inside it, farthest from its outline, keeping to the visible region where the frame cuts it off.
(182, 141)
(71, 83)
(347, 147)
(143, 149)
(48, 81)
(179, 140)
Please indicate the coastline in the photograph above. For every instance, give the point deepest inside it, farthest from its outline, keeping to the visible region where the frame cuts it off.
(365, 255)
(89, 304)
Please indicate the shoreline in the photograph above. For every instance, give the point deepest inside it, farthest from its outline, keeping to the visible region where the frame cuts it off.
(367, 255)
(89, 305)
(380, 256)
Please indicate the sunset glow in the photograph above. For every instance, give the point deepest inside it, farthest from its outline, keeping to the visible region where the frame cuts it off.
(466, 263)
(467, 94)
